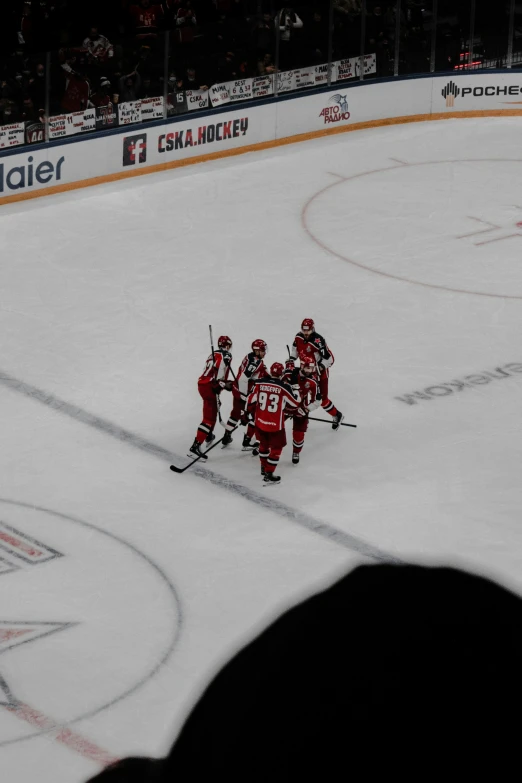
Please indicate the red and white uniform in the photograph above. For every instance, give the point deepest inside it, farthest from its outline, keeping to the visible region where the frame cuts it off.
(251, 370)
(316, 347)
(311, 399)
(101, 50)
(217, 367)
(146, 20)
(210, 383)
(77, 90)
(185, 23)
(270, 399)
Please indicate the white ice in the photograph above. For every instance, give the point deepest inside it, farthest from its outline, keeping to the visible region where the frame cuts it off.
(105, 300)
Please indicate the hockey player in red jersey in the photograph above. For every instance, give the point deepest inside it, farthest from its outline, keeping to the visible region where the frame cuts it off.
(309, 342)
(269, 400)
(252, 369)
(305, 380)
(210, 384)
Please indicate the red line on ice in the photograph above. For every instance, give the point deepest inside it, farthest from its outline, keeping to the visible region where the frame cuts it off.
(65, 736)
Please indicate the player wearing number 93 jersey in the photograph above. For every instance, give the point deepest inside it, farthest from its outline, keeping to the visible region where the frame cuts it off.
(270, 399)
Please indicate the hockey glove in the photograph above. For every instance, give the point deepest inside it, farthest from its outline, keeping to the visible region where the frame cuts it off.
(217, 386)
(246, 418)
(296, 391)
(289, 365)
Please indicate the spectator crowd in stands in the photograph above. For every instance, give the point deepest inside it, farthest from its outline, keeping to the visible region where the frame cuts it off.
(114, 51)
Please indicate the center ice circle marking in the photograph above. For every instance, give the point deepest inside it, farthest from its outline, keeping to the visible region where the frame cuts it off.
(70, 574)
(327, 243)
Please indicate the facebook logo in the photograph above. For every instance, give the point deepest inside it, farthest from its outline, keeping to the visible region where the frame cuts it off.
(134, 149)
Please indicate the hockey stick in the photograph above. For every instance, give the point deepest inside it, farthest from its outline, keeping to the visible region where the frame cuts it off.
(182, 470)
(218, 400)
(213, 359)
(325, 421)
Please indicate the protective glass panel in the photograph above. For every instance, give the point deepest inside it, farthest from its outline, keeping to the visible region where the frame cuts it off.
(491, 34)
(416, 24)
(302, 47)
(451, 23)
(346, 42)
(380, 39)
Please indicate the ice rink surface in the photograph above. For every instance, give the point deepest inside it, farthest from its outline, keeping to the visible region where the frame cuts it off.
(125, 586)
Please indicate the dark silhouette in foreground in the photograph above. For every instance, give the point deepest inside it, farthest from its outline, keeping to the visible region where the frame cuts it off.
(394, 669)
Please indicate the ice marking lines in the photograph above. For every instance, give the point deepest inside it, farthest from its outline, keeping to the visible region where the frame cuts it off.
(326, 246)
(468, 382)
(492, 227)
(61, 734)
(21, 546)
(15, 633)
(306, 521)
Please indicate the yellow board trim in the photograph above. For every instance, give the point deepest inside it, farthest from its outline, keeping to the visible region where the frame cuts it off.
(264, 145)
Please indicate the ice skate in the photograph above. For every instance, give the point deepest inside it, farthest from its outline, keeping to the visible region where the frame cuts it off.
(247, 443)
(195, 451)
(269, 479)
(227, 438)
(337, 419)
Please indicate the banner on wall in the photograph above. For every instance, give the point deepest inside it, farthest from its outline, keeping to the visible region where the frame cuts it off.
(129, 112)
(369, 64)
(321, 74)
(285, 81)
(304, 77)
(263, 86)
(83, 158)
(71, 124)
(57, 126)
(12, 135)
(196, 99)
(351, 67)
(219, 94)
(135, 112)
(152, 108)
(343, 69)
(240, 90)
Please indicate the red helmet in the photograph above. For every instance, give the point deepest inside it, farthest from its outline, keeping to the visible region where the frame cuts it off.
(225, 342)
(308, 325)
(277, 370)
(259, 345)
(307, 363)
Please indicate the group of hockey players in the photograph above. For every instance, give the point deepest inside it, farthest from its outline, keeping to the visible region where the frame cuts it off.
(263, 399)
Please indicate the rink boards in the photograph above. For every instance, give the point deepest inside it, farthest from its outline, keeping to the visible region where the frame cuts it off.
(140, 149)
